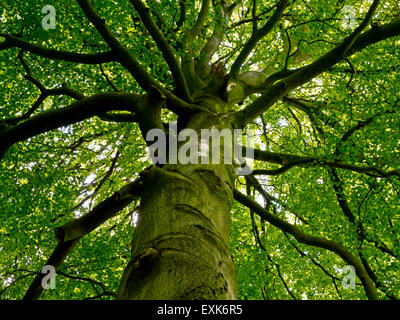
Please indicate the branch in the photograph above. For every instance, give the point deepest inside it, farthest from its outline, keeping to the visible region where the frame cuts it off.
(56, 259)
(363, 123)
(316, 263)
(47, 92)
(201, 19)
(43, 96)
(76, 112)
(182, 15)
(160, 21)
(126, 59)
(338, 187)
(119, 117)
(102, 212)
(256, 36)
(202, 68)
(82, 226)
(165, 48)
(305, 74)
(340, 196)
(308, 108)
(284, 282)
(15, 42)
(108, 79)
(253, 18)
(289, 161)
(193, 80)
(44, 93)
(304, 238)
(123, 55)
(269, 199)
(105, 177)
(356, 33)
(91, 281)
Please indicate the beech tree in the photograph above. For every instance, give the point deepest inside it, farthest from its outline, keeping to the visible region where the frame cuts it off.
(313, 83)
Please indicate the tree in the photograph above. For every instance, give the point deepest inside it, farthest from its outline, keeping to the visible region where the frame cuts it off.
(85, 82)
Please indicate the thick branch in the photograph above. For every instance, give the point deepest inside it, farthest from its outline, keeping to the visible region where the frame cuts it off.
(102, 212)
(165, 48)
(304, 238)
(182, 14)
(307, 73)
(118, 117)
(76, 112)
(123, 55)
(145, 80)
(82, 226)
(256, 36)
(57, 257)
(156, 10)
(355, 34)
(212, 44)
(201, 19)
(44, 94)
(15, 42)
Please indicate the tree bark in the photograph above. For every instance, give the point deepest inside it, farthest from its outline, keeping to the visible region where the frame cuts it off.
(181, 246)
(181, 243)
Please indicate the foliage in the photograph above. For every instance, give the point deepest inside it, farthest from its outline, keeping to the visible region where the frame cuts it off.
(347, 114)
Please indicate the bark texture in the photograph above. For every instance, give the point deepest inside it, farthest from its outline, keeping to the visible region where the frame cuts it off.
(181, 245)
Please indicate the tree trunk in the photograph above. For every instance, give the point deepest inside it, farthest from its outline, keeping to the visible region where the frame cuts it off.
(181, 243)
